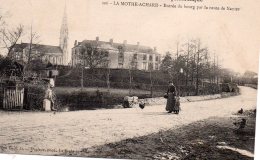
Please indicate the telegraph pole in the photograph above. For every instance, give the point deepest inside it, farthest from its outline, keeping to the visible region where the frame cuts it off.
(197, 69)
(130, 81)
(151, 83)
(108, 80)
(82, 75)
(217, 71)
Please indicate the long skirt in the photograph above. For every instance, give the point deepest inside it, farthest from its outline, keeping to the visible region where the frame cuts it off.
(171, 103)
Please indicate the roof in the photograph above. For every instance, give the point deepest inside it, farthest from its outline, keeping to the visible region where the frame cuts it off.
(116, 46)
(39, 47)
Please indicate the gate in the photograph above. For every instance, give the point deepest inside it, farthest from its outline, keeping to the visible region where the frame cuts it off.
(13, 98)
(12, 95)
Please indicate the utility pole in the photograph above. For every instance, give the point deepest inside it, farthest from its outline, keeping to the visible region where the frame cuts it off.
(177, 52)
(187, 65)
(197, 69)
(214, 68)
(30, 46)
(177, 66)
(217, 71)
(108, 80)
(82, 75)
(151, 83)
(130, 81)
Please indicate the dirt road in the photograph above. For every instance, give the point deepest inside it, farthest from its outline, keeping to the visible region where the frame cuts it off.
(48, 133)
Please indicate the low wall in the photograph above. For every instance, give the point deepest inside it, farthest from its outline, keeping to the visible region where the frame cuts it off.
(251, 85)
(161, 100)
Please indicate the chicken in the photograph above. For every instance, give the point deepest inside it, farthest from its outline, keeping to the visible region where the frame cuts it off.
(240, 111)
(241, 124)
(142, 105)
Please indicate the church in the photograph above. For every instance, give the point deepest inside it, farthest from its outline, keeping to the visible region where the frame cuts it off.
(56, 55)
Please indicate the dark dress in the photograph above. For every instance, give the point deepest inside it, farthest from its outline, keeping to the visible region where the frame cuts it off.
(171, 100)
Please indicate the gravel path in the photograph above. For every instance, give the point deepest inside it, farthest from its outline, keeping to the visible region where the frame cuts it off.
(48, 133)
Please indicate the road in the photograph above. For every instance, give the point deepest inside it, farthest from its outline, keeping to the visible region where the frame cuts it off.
(27, 132)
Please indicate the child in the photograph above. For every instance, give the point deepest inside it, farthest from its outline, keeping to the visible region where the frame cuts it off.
(177, 105)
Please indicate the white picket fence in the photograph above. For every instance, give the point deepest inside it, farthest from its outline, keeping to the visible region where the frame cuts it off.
(13, 99)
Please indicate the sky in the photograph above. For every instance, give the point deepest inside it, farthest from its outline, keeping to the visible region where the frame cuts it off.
(233, 36)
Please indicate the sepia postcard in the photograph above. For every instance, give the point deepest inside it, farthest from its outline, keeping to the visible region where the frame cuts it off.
(137, 79)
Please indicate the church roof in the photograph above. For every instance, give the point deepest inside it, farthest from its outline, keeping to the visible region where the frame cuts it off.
(39, 47)
(116, 46)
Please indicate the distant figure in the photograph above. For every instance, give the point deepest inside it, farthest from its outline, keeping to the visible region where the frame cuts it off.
(240, 111)
(48, 100)
(171, 100)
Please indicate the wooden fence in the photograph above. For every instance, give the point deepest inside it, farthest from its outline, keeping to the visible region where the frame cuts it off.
(13, 98)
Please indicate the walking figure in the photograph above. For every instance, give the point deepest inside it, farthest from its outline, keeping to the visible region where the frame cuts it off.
(171, 105)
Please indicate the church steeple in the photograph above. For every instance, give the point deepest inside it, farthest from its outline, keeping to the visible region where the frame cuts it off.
(64, 37)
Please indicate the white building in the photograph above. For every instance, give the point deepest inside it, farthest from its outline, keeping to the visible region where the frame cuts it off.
(122, 55)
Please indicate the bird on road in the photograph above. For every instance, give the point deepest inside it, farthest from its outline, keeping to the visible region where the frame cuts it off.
(240, 111)
(142, 105)
(241, 124)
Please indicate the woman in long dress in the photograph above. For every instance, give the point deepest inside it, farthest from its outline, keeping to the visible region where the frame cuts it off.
(171, 100)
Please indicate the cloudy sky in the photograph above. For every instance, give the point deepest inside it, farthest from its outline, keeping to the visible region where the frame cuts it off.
(234, 36)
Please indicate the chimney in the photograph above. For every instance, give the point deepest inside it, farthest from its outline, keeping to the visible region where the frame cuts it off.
(125, 42)
(111, 41)
(138, 43)
(97, 38)
(154, 49)
(75, 43)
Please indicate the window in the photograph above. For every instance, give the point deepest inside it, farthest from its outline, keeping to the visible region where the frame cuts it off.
(121, 55)
(144, 57)
(134, 65)
(156, 66)
(150, 66)
(150, 58)
(157, 58)
(135, 57)
(145, 66)
(120, 65)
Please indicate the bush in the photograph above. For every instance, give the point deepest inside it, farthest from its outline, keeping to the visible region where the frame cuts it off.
(87, 100)
(229, 87)
(34, 96)
(119, 78)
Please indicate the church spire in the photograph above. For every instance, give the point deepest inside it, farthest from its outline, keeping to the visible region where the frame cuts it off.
(64, 36)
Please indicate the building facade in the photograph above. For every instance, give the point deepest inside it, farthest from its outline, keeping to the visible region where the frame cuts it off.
(120, 55)
(45, 53)
(56, 55)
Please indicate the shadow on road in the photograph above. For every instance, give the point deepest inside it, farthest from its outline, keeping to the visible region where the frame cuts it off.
(198, 140)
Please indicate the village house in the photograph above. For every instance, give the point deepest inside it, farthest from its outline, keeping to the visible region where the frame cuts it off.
(121, 55)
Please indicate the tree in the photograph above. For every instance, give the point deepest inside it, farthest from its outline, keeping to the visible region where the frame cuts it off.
(6, 66)
(92, 56)
(10, 37)
(33, 45)
(166, 62)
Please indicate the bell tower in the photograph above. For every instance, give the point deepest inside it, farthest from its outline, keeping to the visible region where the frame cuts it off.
(64, 37)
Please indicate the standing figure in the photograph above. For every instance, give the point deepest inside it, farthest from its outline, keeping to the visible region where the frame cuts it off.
(171, 100)
(48, 99)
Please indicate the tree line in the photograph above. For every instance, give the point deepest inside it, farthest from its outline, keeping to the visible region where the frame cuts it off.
(191, 65)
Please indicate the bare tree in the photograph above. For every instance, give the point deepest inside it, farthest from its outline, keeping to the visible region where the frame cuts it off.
(10, 37)
(92, 56)
(33, 45)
